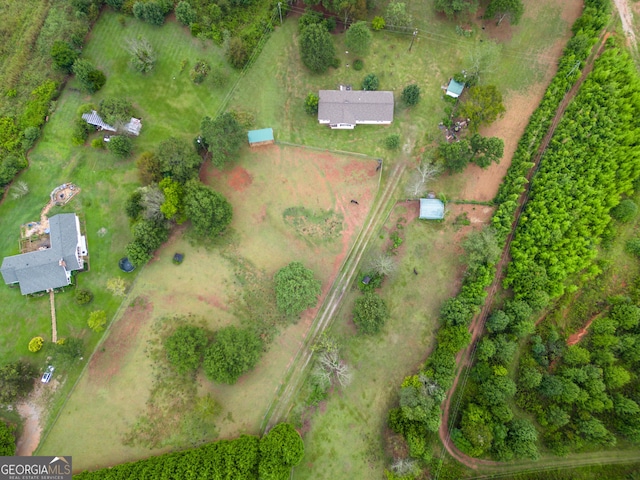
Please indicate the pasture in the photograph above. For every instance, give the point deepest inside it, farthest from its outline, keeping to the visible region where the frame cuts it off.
(230, 283)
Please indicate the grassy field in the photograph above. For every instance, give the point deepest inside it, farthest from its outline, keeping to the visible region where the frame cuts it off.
(229, 284)
(273, 90)
(355, 416)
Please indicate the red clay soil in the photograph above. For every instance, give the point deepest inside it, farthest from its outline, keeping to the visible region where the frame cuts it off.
(482, 185)
(239, 179)
(111, 355)
(576, 337)
(465, 357)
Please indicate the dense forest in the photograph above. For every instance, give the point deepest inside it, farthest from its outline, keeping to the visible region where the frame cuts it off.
(580, 394)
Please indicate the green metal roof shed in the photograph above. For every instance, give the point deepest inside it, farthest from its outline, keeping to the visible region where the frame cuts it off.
(260, 137)
(454, 89)
(431, 209)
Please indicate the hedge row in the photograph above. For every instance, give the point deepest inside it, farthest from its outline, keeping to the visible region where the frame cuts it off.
(586, 31)
(247, 457)
(420, 396)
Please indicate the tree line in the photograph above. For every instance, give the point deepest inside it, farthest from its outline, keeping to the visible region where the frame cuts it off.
(417, 416)
(271, 458)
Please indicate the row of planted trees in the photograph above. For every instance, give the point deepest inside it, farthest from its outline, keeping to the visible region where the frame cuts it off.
(417, 416)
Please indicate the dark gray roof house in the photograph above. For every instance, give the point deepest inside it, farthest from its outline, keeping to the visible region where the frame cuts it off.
(50, 268)
(344, 109)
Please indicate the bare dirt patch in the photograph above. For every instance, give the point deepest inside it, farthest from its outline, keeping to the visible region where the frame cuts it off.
(32, 410)
(110, 357)
(239, 179)
(482, 185)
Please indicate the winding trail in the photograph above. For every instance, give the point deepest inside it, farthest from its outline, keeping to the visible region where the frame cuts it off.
(295, 375)
(465, 358)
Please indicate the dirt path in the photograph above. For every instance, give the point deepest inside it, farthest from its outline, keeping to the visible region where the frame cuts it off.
(30, 411)
(54, 327)
(465, 357)
(627, 22)
(576, 337)
(295, 375)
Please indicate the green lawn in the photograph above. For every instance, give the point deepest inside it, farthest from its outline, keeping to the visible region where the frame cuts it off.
(168, 107)
(227, 284)
(356, 416)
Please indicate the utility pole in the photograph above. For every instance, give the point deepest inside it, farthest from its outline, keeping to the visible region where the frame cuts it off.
(415, 33)
(280, 11)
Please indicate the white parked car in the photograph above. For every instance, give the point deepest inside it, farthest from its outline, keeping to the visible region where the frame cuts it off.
(48, 373)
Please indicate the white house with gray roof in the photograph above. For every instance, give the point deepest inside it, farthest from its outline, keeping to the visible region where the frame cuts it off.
(50, 268)
(344, 109)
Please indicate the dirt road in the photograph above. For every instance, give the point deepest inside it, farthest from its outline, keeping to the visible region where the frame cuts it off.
(295, 375)
(465, 358)
(627, 22)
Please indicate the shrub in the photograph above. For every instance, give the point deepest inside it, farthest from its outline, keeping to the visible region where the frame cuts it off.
(185, 14)
(296, 289)
(97, 320)
(63, 55)
(625, 211)
(120, 146)
(83, 296)
(200, 71)
(358, 64)
(233, 352)
(378, 23)
(369, 313)
(633, 246)
(392, 142)
(411, 94)
(185, 348)
(30, 135)
(370, 82)
(35, 344)
(237, 52)
(311, 104)
(117, 286)
(97, 143)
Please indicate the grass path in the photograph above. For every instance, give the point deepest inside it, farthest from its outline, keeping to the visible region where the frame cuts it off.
(295, 375)
(465, 358)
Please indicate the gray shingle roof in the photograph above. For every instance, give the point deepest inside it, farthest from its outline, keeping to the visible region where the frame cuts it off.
(42, 270)
(94, 119)
(355, 106)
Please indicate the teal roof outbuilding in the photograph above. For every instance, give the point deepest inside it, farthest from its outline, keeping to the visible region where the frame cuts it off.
(431, 209)
(454, 89)
(262, 135)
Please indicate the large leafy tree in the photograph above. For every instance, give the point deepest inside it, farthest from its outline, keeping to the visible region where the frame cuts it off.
(233, 352)
(88, 75)
(178, 159)
(115, 111)
(209, 211)
(120, 146)
(280, 450)
(396, 15)
(452, 8)
(316, 48)
(223, 137)
(512, 9)
(358, 38)
(482, 106)
(370, 312)
(7, 440)
(63, 55)
(185, 348)
(16, 381)
(296, 289)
